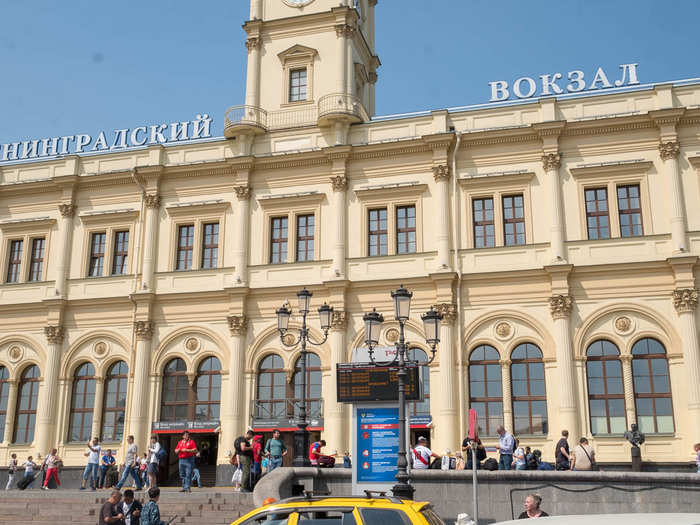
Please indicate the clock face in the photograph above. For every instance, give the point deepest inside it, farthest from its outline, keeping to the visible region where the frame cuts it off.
(297, 3)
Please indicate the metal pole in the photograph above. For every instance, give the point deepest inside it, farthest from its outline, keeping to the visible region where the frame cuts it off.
(402, 489)
(301, 436)
(475, 484)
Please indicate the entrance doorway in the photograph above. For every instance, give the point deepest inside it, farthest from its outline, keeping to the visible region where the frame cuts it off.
(420, 432)
(208, 447)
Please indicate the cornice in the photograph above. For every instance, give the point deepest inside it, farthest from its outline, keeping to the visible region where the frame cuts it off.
(109, 216)
(338, 152)
(623, 168)
(393, 149)
(499, 136)
(288, 200)
(390, 191)
(496, 180)
(552, 128)
(695, 161)
(198, 208)
(606, 126)
(271, 163)
(439, 141)
(666, 116)
(27, 224)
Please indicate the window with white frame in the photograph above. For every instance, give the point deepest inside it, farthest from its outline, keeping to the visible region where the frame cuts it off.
(24, 250)
(107, 236)
(196, 232)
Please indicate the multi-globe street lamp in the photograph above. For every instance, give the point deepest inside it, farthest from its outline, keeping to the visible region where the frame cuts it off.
(325, 312)
(431, 325)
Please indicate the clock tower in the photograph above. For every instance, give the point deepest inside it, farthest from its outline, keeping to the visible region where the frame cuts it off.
(310, 63)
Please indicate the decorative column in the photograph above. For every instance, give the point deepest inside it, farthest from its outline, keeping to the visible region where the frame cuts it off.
(628, 383)
(235, 413)
(441, 174)
(685, 301)
(139, 424)
(448, 424)
(560, 307)
(97, 407)
(11, 408)
(669, 154)
(507, 395)
(551, 163)
(65, 227)
(240, 247)
(252, 91)
(349, 62)
(47, 408)
(342, 31)
(150, 239)
(340, 186)
(335, 430)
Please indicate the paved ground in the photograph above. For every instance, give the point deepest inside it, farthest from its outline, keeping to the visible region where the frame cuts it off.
(39, 507)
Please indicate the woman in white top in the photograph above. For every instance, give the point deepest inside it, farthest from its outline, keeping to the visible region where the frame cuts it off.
(153, 451)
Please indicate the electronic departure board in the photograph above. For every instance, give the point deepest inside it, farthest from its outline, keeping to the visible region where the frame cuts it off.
(367, 382)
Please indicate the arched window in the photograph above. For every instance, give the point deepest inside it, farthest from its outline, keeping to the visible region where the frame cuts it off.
(175, 398)
(82, 403)
(529, 398)
(652, 387)
(208, 390)
(313, 385)
(115, 402)
(416, 408)
(606, 397)
(272, 389)
(485, 388)
(27, 399)
(4, 396)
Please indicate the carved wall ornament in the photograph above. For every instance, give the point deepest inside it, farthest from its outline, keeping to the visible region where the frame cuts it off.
(685, 299)
(560, 306)
(551, 161)
(252, 43)
(391, 335)
(623, 324)
(340, 183)
(15, 353)
(152, 200)
(100, 348)
(344, 30)
(504, 330)
(192, 344)
(66, 209)
(143, 329)
(237, 324)
(339, 320)
(669, 150)
(441, 172)
(191, 376)
(54, 334)
(288, 339)
(448, 311)
(242, 192)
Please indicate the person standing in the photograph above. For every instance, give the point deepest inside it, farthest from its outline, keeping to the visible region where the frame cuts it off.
(51, 462)
(131, 464)
(93, 464)
(244, 451)
(196, 476)
(275, 449)
(11, 469)
(107, 461)
(696, 448)
(109, 513)
(519, 460)
(347, 462)
(256, 469)
(532, 508)
(150, 514)
(583, 456)
(561, 452)
(467, 445)
(186, 449)
(506, 447)
(153, 461)
(421, 454)
(130, 508)
(29, 467)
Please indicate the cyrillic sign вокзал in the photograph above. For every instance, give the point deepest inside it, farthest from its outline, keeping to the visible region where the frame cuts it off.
(526, 87)
(199, 128)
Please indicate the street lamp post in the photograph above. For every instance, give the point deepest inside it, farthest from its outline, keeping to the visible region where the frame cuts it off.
(301, 435)
(431, 322)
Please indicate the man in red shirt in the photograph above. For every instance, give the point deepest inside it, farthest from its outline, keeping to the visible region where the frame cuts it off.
(186, 449)
(257, 459)
(318, 459)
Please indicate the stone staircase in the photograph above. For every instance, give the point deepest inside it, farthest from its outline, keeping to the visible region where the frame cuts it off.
(36, 507)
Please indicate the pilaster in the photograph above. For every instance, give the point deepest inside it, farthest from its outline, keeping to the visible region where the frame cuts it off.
(139, 424)
(685, 301)
(47, 408)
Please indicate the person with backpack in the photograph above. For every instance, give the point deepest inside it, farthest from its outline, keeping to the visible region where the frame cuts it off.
(244, 452)
(583, 456)
(11, 469)
(275, 450)
(156, 454)
(421, 454)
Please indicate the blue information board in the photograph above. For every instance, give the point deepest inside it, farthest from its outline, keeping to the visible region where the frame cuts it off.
(377, 444)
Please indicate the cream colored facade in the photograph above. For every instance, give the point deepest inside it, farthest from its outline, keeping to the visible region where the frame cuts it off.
(323, 156)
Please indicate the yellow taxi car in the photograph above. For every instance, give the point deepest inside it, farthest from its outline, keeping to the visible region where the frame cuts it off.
(355, 510)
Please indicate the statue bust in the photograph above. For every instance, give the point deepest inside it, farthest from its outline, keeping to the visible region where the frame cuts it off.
(634, 436)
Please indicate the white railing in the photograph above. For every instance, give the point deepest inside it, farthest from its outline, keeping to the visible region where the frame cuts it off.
(341, 104)
(292, 118)
(245, 116)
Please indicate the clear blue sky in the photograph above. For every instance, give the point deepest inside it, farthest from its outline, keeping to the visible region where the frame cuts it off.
(84, 66)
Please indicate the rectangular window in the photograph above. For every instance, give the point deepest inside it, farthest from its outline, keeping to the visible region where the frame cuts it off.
(97, 254)
(513, 220)
(15, 263)
(406, 229)
(120, 258)
(377, 233)
(37, 263)
(210, 245)
(630, 206)
(597, 218)
(484, 232)
(297, 85)
(305, 238)
(278, 240)
(185, 246)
